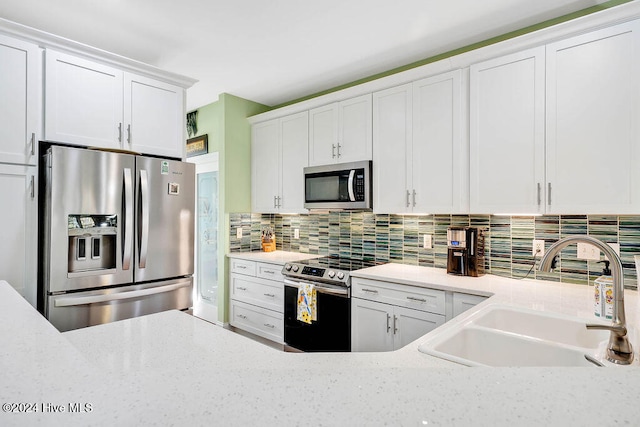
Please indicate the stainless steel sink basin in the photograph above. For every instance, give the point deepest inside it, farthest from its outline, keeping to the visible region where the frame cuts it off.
(501, 335)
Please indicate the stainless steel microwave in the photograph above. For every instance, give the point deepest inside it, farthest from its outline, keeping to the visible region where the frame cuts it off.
(338, 186)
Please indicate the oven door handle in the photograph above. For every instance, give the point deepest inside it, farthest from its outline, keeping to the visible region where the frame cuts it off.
(323, 289)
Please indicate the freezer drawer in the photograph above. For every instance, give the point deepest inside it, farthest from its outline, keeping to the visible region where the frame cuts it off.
(81, 309)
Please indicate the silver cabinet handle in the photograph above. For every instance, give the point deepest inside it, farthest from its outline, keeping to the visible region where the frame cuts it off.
(417, 299)
(269, 325)
(279, 205)
(241, 288)
(269, 271)
(549, 193)
(127, 235)
(242, 316)
(120, 132)
(388, 326)
(414, 198)
(333, 151)
(339, 150)
(129, 134)
(143, 234)
(369, 290)
(270, 295)
(33, 144)
(395, 326)
(539, 194)
(93, 299)
(275, 201)
(408, 195)
(33, 187)
(241, 267)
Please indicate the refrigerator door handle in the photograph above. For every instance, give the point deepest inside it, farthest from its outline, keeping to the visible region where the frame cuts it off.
(93, 299)
(143, 235)
(127, 240)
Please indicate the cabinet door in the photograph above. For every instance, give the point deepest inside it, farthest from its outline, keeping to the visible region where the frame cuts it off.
(153, 117)
(371, 326)
(265, 166)
(507, 134)
(323, 135)
(440, 172)
(392, 150)
(18, 101)
(294, 137)
(593, 151)
(18, 253)
(463, 302)
(354, 131)
(83, 102)
(409, 325)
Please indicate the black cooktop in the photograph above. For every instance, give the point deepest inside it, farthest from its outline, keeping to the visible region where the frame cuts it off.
(339, 263)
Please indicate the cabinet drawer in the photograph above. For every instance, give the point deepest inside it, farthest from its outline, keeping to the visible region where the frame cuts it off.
(270, 271)
(259, 321)
(423, 299)
(261, 292)
(242, 266)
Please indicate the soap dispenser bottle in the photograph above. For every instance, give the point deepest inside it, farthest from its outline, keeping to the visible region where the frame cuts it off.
(603, 293)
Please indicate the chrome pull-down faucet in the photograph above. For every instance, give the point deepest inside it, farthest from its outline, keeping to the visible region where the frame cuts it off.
(619, 350)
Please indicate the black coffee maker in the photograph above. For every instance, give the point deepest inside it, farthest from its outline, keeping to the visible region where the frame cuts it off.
(465, 256)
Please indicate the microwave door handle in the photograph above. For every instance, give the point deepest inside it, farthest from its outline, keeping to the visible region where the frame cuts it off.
(144, 219)
(127, 234)
(352, 195)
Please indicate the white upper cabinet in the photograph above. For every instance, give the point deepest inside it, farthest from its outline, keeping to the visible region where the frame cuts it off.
(340, 132)
(154, 116)
(440, 152)
(88, 103)
(507, 98)
(420, 160)
(279, 153)
(593, 133)
(392, 140)
(19, 83)
(83, 102)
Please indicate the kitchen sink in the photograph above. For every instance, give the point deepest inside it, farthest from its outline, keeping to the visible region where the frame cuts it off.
(505, 336)
(545, 326)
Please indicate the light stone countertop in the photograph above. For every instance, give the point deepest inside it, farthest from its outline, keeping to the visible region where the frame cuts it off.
(172, 368)
(275, 257)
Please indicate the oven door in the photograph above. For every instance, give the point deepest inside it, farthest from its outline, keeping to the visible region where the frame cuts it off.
(332, 329)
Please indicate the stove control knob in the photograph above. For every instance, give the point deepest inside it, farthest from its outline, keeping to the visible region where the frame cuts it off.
(295, 268)
(331, 274)
(287, 267)
(340, 275)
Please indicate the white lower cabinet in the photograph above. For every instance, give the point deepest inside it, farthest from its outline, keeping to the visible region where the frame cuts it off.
(463, 302)
(386, 316)
(18, 252)
(257, 298)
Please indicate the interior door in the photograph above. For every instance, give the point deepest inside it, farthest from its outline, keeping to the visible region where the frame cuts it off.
(165, 200)
(205, 300)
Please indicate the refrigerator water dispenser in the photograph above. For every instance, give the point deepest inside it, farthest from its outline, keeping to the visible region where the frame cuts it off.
(92, 243)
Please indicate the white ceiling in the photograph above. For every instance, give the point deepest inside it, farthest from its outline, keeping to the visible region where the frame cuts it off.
(274, 51)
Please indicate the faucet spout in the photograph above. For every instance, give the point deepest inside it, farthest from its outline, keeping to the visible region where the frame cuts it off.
(619, 349)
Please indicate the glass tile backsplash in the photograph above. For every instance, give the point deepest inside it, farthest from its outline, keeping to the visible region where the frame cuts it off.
(398, 238)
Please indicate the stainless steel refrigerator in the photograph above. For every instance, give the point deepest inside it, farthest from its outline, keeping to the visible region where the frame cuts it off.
(118, 236)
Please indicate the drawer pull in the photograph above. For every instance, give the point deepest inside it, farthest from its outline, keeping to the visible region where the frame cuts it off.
(270, 295)
(417, 299)
(269, 271)
(241, 267)
(242, 316)
(373, 291)
(241, 288)
(269, 325)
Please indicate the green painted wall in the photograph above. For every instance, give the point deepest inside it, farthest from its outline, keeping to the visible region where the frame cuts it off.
(229, 134)
(464, 49)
